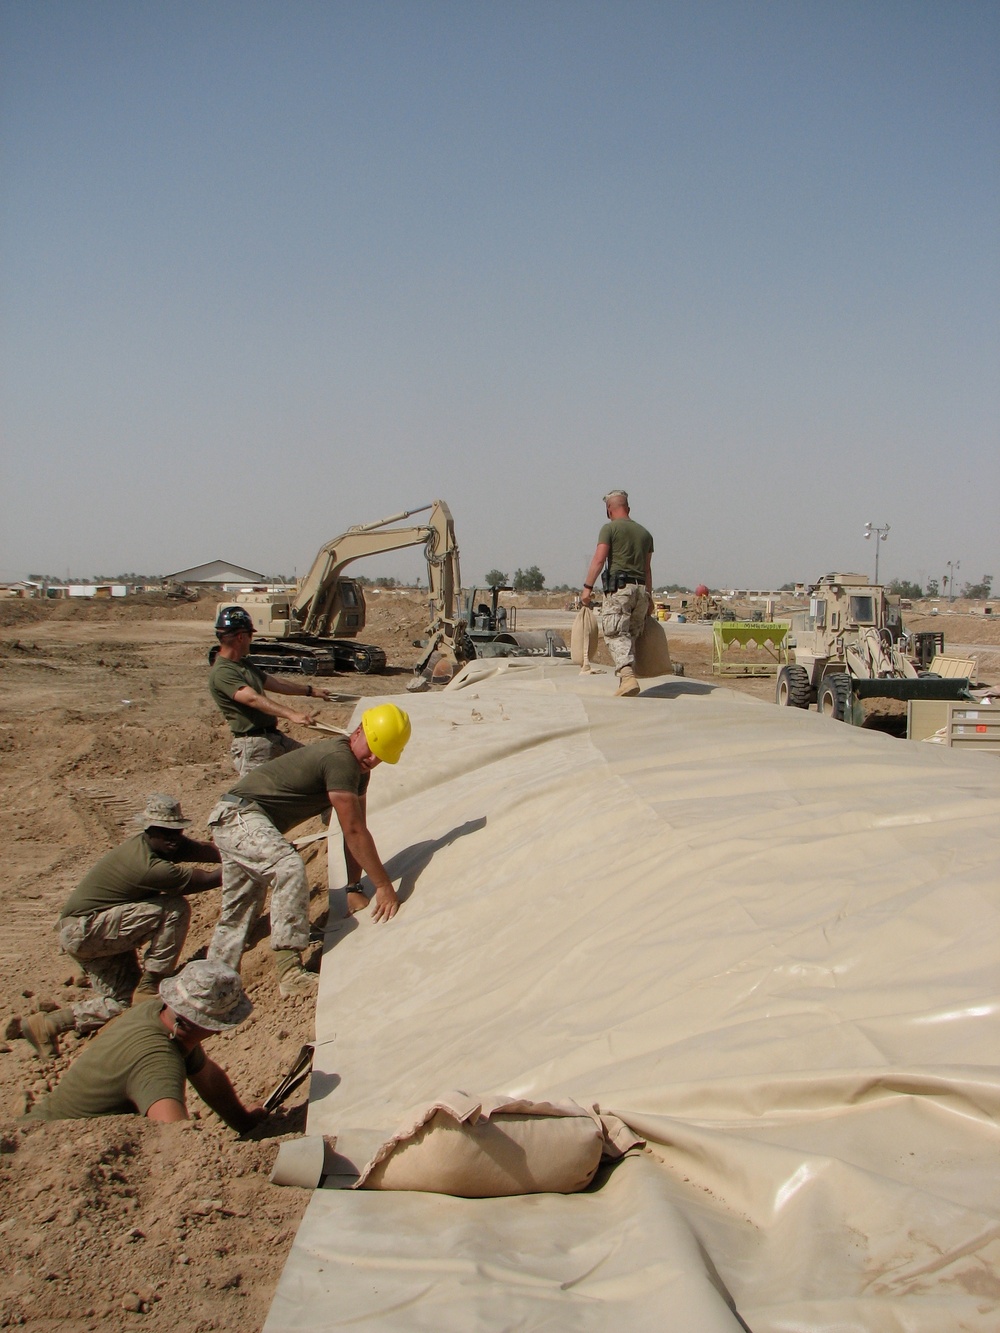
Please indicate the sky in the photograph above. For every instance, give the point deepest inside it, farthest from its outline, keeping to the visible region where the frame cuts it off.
(271, 268)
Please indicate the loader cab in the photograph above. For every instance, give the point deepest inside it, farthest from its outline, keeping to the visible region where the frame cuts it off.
(862, 609)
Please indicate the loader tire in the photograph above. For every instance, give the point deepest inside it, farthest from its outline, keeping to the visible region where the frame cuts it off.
(793, 689)
(834, 699)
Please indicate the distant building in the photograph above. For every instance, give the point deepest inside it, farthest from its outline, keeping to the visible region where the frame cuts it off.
(20, 588)
(101, 590)
(216, 571)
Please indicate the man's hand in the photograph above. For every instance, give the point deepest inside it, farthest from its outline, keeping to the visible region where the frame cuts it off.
(302, 719)
(586, 597)
(254, 1116)
(386, 903)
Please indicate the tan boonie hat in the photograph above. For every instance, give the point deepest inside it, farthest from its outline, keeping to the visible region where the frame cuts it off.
(162, 812)
(208, 993)
(614, 495)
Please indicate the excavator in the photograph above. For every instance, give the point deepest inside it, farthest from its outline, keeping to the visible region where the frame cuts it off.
(314, 630)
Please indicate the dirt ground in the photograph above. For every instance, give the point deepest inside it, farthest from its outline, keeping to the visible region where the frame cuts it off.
(117, 1224)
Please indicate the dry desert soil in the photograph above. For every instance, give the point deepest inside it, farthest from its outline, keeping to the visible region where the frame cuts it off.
(117, 1224)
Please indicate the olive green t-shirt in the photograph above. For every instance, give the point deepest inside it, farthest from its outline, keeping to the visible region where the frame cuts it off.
(293, 787)
(630, 545)
(132, 873)
(224, 679)
(129, 1065)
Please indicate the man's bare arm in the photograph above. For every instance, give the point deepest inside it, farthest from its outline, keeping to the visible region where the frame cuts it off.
(166, 1111)
(360, 851)
(203, 880)
(214, 1088)
(249, 697)
(189, 850)
(601, 554)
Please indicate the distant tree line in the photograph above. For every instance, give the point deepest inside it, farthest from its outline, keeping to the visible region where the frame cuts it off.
(935, 588)
(977, 591)
(60, 581)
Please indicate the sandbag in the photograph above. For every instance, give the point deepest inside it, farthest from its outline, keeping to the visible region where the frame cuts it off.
(652, 652)
(583, 637)
(480, 1149)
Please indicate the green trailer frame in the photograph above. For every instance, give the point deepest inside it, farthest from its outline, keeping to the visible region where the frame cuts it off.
(769, 636)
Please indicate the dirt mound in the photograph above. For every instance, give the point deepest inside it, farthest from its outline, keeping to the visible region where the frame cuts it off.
(115, 610)
(93, 1240)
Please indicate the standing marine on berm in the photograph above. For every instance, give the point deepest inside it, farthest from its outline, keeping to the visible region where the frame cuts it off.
(249, 824)
(625, 551)
(237, 687)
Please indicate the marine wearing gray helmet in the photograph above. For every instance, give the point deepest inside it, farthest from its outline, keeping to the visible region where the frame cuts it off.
(143, 1060)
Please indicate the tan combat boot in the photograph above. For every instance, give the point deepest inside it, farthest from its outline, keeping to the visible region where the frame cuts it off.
(293, 979)
(628, 686)
(41, 1030)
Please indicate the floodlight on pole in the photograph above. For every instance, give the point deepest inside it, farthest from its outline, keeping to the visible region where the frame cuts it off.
(880, 534)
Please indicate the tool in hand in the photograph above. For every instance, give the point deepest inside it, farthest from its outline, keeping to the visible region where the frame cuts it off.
(298, 1074)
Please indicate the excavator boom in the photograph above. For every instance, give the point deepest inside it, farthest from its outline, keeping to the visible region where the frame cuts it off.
(317, 604)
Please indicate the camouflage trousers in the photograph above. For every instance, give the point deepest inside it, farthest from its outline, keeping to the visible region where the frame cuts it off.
(249, 752)
(621, 617)
(255, 858)
(106, 945)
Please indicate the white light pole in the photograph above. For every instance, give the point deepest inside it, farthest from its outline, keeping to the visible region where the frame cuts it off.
(880, 535)
(953, 567)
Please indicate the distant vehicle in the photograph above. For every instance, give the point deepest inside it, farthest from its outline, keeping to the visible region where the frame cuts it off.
(851, 646)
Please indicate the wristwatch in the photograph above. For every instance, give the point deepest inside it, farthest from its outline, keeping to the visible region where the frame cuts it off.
(309, 691)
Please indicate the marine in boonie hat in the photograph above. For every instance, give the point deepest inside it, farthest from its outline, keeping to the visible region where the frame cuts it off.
(162, 812)
(207, 993)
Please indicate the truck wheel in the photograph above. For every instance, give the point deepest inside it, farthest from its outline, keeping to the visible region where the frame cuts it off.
(793, 689)
(834, 698)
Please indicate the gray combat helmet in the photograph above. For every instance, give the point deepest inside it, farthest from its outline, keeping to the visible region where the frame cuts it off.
(208, 993)
(162, 812)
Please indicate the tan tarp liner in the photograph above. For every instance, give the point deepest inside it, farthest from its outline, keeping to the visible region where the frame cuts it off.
(766, 940)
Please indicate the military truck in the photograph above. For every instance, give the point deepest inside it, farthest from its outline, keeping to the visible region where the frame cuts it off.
(851, 646)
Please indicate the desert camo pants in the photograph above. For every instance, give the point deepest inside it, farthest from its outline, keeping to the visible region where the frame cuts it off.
(106, 945)
(255, 858)
(249, 752)
(621, 617)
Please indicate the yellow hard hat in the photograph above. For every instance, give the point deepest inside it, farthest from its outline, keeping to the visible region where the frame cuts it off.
(387, 729)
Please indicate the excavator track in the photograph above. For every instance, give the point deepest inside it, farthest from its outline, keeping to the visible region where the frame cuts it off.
(330, 657)
(361, 657)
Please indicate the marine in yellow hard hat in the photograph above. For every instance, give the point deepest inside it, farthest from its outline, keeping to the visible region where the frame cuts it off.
(387, 729)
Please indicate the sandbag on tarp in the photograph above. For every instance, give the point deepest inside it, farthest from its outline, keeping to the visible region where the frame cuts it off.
(652, 652)
(479, 1148)
(583, 639)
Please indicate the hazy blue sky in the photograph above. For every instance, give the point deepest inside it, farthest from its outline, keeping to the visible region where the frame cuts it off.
(271, 269)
